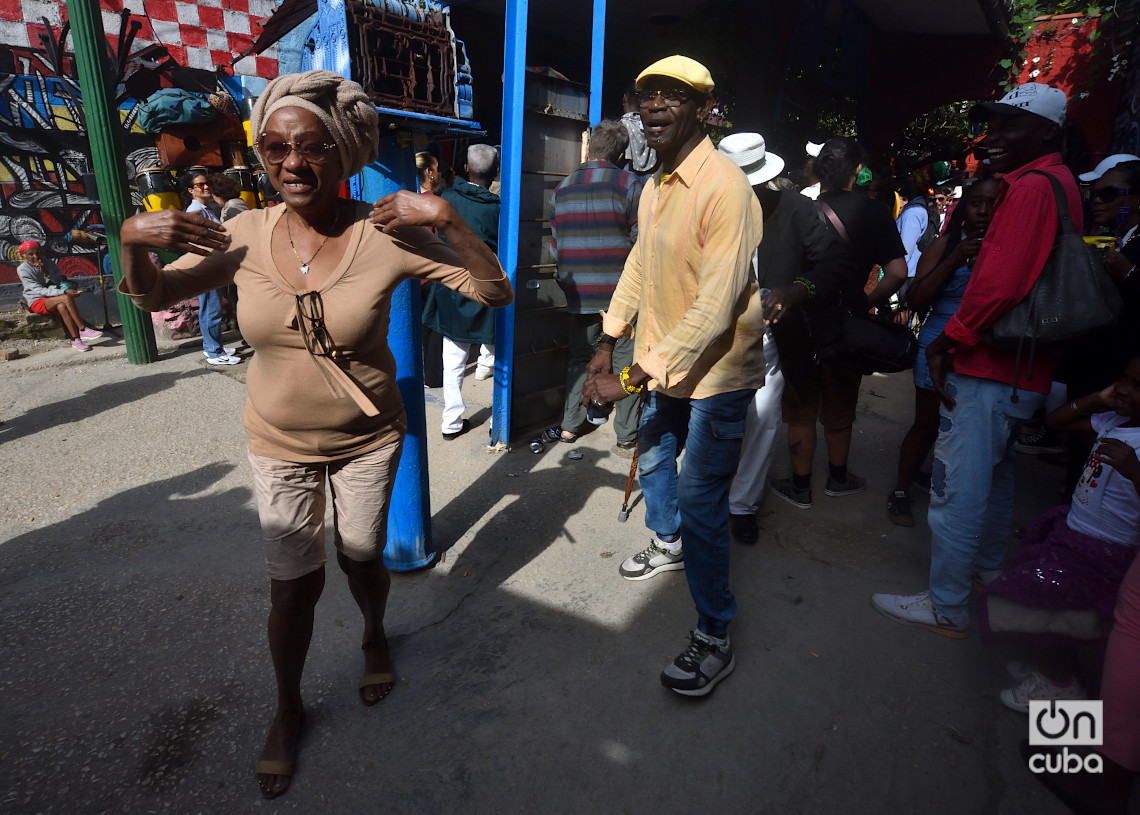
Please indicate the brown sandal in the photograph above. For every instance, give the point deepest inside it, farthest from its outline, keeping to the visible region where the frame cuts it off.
(283, 768)
(369, 680)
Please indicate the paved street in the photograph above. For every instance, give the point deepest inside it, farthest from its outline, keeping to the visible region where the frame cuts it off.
(135, 675)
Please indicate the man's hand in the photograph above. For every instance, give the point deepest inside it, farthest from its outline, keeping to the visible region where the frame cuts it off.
(941, 363)
(602, 362)
(781, 300)
(174, 230)
(604, 388)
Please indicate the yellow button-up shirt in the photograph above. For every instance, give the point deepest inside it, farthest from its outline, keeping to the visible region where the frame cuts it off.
(688, 281)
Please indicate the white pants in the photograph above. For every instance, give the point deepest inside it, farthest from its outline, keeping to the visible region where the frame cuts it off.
(454, 367)
(761, 425)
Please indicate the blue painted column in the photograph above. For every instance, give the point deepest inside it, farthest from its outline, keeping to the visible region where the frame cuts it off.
(597, 61)
(409, 519)
(510, 178)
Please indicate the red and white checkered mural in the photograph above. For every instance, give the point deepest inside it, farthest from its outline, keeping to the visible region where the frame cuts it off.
(201, 34)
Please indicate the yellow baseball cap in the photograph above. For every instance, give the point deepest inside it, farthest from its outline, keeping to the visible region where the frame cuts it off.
(689, 71)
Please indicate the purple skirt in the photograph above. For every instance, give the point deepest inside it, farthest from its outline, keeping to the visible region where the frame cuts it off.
(1060, 568)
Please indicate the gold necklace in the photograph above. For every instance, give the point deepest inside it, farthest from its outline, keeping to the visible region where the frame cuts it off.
(305, 264)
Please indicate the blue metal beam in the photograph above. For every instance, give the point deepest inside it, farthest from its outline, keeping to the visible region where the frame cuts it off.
(409, 544)
(510, 177)
(597, 61)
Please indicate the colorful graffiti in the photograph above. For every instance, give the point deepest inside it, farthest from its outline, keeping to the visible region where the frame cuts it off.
(43, 162)
(46, 186)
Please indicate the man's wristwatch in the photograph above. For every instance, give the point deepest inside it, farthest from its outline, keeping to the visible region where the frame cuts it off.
(606, 339)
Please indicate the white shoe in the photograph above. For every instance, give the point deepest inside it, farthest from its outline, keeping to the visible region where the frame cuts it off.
(1036, 687)
(229, 352)
(652, 559)
(223, 360)
(916, 609)
(484, 373)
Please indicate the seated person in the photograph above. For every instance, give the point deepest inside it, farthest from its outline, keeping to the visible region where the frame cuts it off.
(47, 291)
(1073, 558)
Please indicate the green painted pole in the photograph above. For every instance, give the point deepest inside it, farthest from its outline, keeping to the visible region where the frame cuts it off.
(104, 134)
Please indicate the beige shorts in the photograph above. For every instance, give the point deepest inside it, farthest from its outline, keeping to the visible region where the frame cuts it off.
(291, 504)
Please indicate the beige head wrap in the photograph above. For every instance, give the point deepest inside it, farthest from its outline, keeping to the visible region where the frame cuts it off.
(340, 104)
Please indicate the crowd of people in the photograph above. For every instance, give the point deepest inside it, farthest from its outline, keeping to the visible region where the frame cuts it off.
(723, 324)
(696, 276)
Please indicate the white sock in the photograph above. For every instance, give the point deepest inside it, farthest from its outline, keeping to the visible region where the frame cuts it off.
(671, 546)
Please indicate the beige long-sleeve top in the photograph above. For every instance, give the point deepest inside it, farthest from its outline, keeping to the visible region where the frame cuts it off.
(305, 408)
(688, 282)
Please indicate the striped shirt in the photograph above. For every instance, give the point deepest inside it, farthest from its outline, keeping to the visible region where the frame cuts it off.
(593, 226)
(689, 284)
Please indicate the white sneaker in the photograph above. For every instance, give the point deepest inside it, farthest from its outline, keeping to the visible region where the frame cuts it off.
(484, 373)
(652, 559)
(223, 360)
(229, 352)
(916, 609)
(1020, 670)
(1037, 688)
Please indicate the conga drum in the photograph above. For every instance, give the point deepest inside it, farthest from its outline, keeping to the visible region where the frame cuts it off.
(156, 190)
(265, 189)
(244, 178)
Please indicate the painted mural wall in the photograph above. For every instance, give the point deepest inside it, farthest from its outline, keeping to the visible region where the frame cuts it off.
(44, 154)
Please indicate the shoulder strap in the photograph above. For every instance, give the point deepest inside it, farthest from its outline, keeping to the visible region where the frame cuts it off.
(838, 224)
(1063, 216)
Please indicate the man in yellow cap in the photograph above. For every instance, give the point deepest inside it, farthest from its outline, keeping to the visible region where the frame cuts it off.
(698, 354)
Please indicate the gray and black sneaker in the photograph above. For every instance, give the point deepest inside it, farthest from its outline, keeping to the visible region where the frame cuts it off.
(700, 666)
(850, 486)
(649, 561)
(786, 488)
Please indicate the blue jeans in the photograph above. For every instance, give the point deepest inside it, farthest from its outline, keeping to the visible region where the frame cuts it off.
(210, 322)
(971, 489)
(694, 501)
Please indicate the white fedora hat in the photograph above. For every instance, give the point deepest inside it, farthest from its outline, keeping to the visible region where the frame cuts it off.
(747, 151)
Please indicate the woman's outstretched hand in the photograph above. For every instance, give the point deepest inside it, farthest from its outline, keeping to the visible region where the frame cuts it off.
(174, 230)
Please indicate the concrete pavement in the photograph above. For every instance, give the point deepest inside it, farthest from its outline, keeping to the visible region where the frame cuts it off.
(135, 676)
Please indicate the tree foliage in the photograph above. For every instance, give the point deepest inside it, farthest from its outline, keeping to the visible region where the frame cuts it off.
(941, 134)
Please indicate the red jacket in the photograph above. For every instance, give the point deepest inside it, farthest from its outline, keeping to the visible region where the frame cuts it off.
(1017, 244)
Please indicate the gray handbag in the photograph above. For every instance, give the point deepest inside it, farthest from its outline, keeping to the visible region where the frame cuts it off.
(1073, 297)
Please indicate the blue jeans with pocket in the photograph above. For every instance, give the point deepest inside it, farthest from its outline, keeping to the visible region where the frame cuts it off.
(971, 487)
(694, 500)
(210, 322)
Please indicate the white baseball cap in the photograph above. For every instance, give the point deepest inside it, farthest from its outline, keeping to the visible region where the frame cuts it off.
(1106, 165)
(1032, 97)
(749, 153)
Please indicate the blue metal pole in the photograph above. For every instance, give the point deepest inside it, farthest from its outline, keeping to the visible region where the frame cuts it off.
(597, 61)
(409, 543)
(510, 177)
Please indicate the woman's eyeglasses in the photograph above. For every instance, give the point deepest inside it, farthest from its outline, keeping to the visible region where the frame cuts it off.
(313, 331)
(200, 185)
(313, 152)
(672, 97)
(1106, 195)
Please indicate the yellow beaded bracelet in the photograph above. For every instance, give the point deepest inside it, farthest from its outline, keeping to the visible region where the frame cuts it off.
(623, 378)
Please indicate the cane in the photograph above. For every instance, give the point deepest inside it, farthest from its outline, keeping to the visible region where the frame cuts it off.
(623, 513)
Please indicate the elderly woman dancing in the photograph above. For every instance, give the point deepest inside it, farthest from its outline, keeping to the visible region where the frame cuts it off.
(315, 278)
